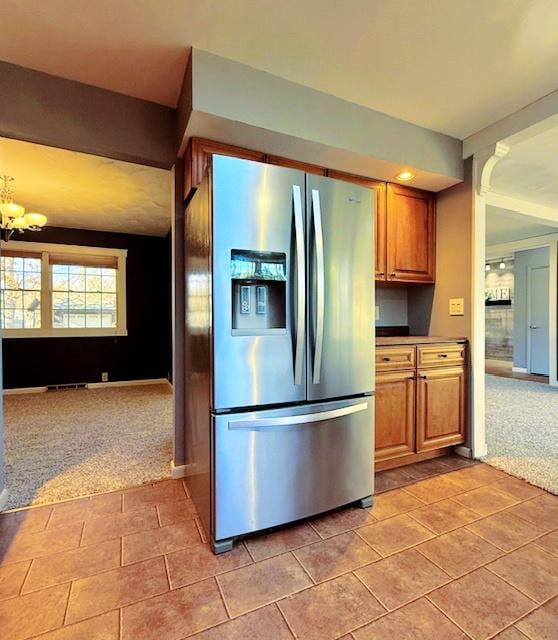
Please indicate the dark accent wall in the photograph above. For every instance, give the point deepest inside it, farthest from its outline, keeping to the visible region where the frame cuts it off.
(144, 353)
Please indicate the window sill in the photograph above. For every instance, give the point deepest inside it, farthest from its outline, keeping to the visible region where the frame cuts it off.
(63, 333)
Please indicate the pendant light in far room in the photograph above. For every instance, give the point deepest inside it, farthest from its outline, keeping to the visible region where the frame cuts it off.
(13, 216)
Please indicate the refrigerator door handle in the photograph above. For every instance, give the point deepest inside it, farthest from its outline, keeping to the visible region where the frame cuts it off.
(289, 421)
(301, 285)
(320, 285)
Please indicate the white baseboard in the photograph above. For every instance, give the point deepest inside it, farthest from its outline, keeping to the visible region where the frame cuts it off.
(463, 451)
(126, 383)
(519, 370)
(181, 470)
(3, 499)
(15, 392)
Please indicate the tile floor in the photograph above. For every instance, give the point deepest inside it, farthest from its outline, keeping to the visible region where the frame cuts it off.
(468, 553)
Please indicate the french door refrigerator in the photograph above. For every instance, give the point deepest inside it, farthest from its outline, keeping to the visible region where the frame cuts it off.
(279, 346)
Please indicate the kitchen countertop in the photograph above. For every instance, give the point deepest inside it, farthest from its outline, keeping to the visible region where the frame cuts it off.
(398, 340)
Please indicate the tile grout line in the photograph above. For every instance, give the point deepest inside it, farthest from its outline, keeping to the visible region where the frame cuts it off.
(284, 617)
(120, 622)
(513, 586)
(304, 568)
(227, 611)
(447, 616)
(20, 592)
(66, 609)
(167, 572)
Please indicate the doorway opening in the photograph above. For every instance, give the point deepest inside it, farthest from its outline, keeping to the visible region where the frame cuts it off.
(86, 326)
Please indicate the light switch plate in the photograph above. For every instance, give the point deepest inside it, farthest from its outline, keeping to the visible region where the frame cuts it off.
(457, 307)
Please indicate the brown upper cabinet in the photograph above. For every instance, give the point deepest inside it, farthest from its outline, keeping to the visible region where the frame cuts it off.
(197, 158)
(295, 164)
(411, 235)
(380, 219)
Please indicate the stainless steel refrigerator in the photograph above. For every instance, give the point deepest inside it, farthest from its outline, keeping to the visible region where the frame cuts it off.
(279, 346)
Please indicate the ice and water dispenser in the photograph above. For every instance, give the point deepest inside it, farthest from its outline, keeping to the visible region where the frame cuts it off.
(259, 288)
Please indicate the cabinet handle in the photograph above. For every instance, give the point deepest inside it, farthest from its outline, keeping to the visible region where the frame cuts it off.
(442, 355)
(424, 377)
(382, 273)
(392, 275)
(387, 359)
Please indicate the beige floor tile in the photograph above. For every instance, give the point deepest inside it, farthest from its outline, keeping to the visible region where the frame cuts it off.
(444, 516)
(152, 494)
(505, 530)
(11, 578)
(518, 488)
(262, 624)
(511, 633)
(401, 578)
(33, 544)
(73, 564)
(419, 620)
(334, 556)
(342, 520)
(34, 613)
(175, 614)
(113, 589)
(79, 510)
(483, 473)
(541, 511)
(481, 603)
(259, 584)
(394, 503)
(459, 552)
(486, 500)
(530, 569)
(28, 520)
(176, 511)
(199, 562)
(156, 542)
(120, 524)
(542, 623)
(331, 609)
(104, 627)
(395, 534)
(434, 489)
(549, 542)
(273, 544)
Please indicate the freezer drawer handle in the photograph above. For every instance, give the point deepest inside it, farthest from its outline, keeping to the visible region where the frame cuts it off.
(289, 421)
(320, 286)
(300, 284)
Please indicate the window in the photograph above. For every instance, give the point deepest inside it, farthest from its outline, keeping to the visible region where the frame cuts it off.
(61, 290)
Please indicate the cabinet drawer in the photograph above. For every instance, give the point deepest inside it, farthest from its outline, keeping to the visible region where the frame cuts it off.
(395, 358)
(441, 355)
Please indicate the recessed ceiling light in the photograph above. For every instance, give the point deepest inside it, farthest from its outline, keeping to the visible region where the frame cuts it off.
(405, 175)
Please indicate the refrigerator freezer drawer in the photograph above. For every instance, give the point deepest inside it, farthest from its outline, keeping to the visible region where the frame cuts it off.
(276, 466)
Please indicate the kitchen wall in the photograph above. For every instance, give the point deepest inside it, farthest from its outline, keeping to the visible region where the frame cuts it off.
(499, 318)
(392, 306)
(144, 353)
(524, 260)
(429, 305)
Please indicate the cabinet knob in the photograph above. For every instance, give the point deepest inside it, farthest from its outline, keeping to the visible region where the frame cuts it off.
(392, 275)
(423, 377)
(387, 359)
(382, 273)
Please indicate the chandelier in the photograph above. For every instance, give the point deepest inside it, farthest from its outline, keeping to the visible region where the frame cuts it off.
(14, 217)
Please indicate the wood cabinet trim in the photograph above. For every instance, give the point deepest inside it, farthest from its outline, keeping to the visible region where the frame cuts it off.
(395, 358)
(296, 164)
(442, 355)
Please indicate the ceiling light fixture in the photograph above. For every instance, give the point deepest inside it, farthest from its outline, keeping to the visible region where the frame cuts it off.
(404, 176)
(487, 267)
(502, 265)
(14, 217)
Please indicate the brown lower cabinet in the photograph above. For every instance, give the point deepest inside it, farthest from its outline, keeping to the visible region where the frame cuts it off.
(420, 410)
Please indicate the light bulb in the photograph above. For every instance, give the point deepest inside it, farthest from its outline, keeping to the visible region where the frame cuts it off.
(487, 267)
(12, 210)
(502, 265)
(405, 175)
(35, 219)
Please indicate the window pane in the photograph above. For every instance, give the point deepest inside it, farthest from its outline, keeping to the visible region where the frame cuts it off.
(93, 282)
(20, 284)
(77, 320)
(32, 281)
(109, 283)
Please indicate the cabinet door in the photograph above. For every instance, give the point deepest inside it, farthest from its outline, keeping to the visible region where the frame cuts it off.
(441, 407)
(395, 414)
(197, 158)
(379, 220)
(411, 234)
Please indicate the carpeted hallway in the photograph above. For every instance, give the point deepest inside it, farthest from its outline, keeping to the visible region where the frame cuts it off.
(522, 430)
(66, 444)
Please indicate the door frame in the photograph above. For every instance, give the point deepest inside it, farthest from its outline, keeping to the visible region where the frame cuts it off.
(530, 270)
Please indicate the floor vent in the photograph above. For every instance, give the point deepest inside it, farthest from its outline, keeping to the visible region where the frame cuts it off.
(64, 387)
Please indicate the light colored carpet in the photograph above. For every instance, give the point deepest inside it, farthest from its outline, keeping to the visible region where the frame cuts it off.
(66, 444)
(522, 430)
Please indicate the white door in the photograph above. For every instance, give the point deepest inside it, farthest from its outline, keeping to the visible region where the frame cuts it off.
(538, 320)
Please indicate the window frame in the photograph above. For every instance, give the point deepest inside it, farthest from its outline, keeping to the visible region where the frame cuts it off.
(47, 330)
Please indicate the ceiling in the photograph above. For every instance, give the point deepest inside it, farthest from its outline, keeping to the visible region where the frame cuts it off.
(507, 226)
(82, 191)
(530, 170)
(454, 67)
